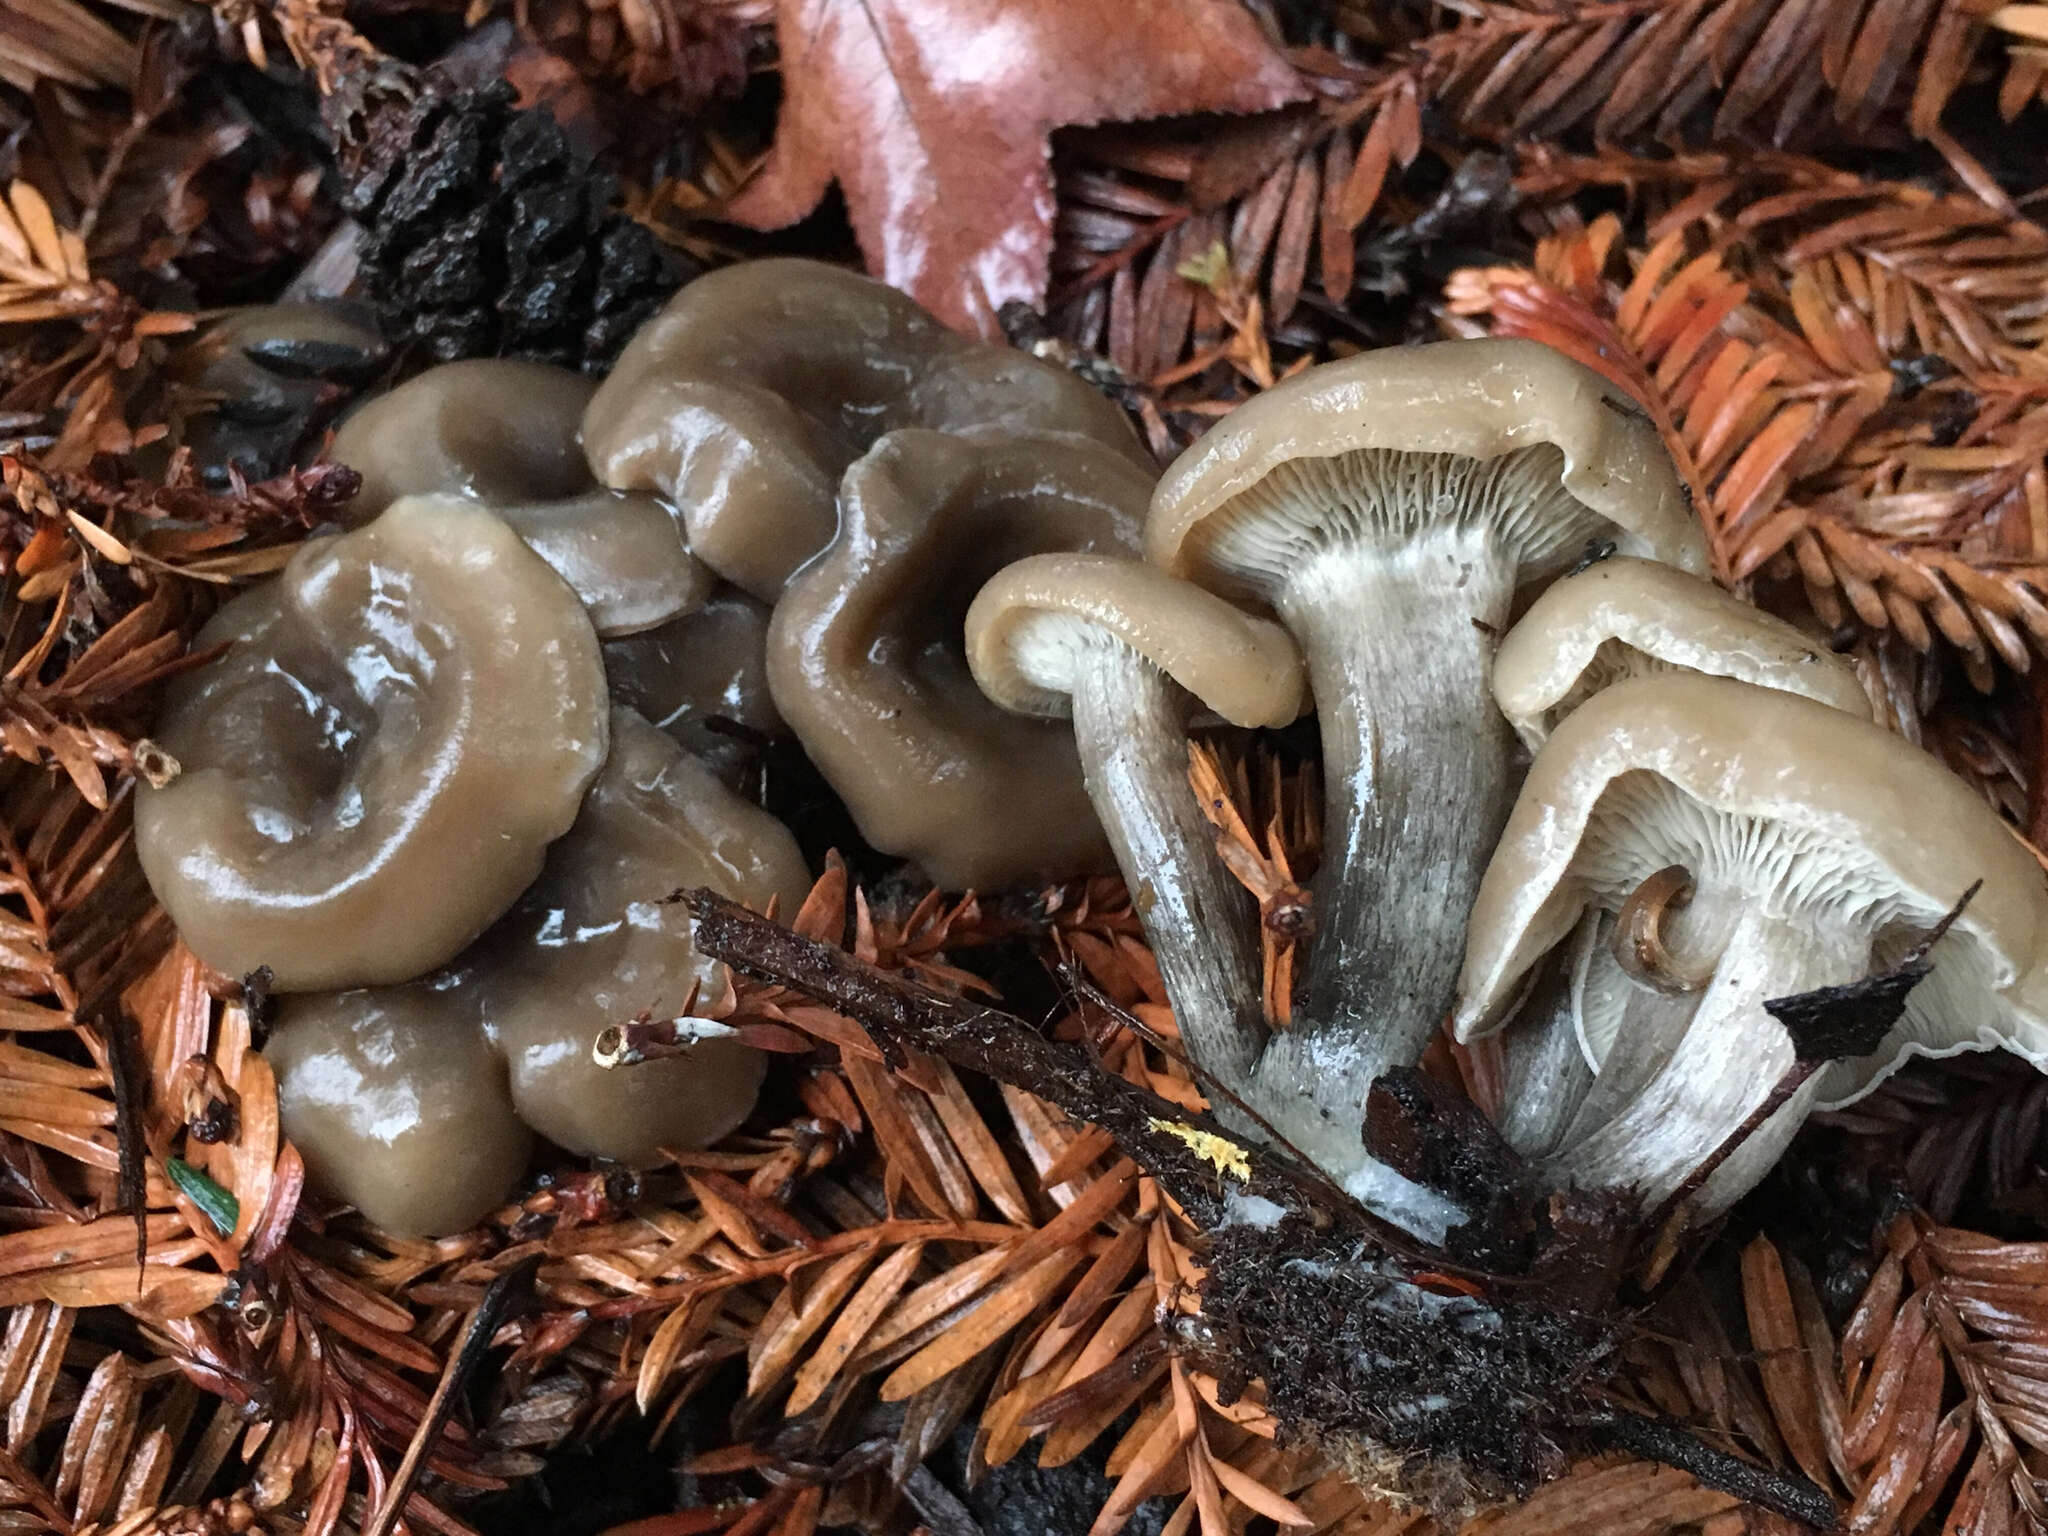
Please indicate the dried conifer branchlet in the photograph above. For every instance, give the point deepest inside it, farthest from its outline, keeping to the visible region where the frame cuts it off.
(486, 233)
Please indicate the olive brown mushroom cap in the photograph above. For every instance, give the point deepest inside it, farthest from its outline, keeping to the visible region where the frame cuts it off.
(1818, 848)
(371, 774)
(497, 429)
(598, 941)
(505, 433)
(750, 394)
(1298, 466)
(1028, 629)
(622, 553)
(867, 660)
(1622, 617)
(399, 1105)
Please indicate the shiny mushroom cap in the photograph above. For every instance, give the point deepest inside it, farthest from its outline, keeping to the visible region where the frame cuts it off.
(623, 554)
(495, 429)
(1622, 617)
(1805, 814)
(399, 1105)
(867, 659)
(504, 433)
(597, 941)
(1504, 433)
(371, 774)
(1035, 623)
(747, 397)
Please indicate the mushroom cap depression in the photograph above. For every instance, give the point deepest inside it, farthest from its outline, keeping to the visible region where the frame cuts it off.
(399, 1105)
(1820, 809)
(867, 659)
(747, 397)
(598, 941)
(1623, 617)
(504, 433)
(371, 774)
(1030, 627)
(1371, 447)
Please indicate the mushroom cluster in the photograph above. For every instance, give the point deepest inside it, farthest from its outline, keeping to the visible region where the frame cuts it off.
(1471, 543)
(450, 767)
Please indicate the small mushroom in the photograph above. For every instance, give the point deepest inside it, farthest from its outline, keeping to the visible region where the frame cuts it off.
(703, 678)
(1622, 617)
(371, 774)
(495, 429)
(748, 396)
(868, 664)
(1127, 653)
(1389, 507)
(1818, 847)
(599, 940)
(399, 1105)
(504, 433)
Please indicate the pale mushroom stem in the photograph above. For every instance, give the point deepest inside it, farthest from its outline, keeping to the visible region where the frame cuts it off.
(1544, 1073)
(1202, 924)
(1416, 764)
(1732, 1056)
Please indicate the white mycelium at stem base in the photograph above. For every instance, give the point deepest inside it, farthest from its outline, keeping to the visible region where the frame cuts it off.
(1818, 847)
(1388, 508)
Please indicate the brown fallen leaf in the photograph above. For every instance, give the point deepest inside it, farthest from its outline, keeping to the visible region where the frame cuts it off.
(933, 117)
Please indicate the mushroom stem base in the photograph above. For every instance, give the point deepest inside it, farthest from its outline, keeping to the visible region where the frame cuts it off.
(1731, 1057)
(1128, 724)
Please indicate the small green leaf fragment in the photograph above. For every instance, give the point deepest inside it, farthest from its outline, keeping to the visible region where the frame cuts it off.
(1211, 268)
(219, 1203)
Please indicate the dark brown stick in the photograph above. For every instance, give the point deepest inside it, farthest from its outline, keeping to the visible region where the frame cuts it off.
(1673, 1445)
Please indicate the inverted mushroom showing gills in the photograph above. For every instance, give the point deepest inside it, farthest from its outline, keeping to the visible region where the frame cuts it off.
(748, 396)
(371, 774)
(868, 665)
(598, 941)
(1622, 617)
(1389, 507)
(399, 1105)
(1128, 652)
(1816, 849)
(504, 433)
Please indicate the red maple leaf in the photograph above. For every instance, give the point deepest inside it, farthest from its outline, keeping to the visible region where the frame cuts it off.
(934, 117)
